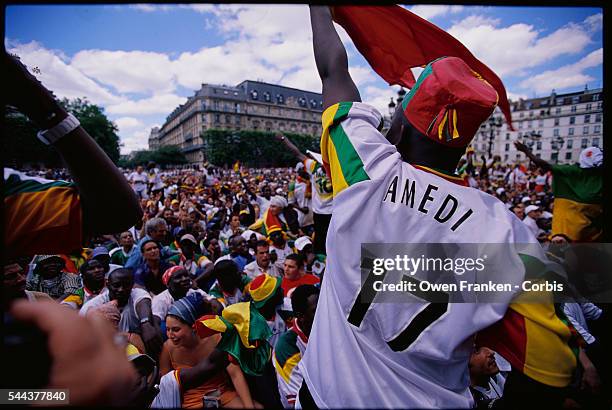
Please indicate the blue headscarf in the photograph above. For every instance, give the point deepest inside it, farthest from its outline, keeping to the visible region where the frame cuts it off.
(189, 308)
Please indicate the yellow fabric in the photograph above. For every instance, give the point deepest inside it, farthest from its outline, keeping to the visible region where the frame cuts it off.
(547, 344)
(130, 350)
(74, 299)
(575, 220)
(265, 290)
(328, 151)
(215, 324)
(285, 371)
(239, 315)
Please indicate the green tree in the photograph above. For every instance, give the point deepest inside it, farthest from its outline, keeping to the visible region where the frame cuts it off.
(21, 146)
(163, 156)
(253, 148)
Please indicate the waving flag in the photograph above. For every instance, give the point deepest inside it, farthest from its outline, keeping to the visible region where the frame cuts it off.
(393, 40)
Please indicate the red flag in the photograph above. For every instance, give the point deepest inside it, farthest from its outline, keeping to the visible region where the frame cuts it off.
(393, 40)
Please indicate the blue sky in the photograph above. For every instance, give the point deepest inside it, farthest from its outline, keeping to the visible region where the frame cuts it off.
(141, 61)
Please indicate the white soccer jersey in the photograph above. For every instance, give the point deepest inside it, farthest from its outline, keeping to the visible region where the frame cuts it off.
(378, 198)
(322, 195)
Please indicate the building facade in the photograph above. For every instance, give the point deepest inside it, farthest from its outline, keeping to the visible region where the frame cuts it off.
(154, 138)
(556, 128)
(251, 105)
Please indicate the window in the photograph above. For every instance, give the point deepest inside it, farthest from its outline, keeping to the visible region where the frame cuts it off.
(313, 103)
(254, 94)
(570, 143)
(595, 142)
(585, 143)
(556, 121)
(483, 147)
(531, 113)
(521, 115)
(506, 157)
(225, 92)
(600, 105)
(589, 107)
(595, 97)
(597, 117)
(507, 136)
(587, 118)
(520, 125)
(572, 120)
(237, 117)
(216, 105)
(529, 124)
(228, 119)
(559, 101)
(280, 99)
(541, 123)
(538, 155)
(507, 147)
(575, 99)
(568, 155)
(554, 156)
(570, 131)
(557, 110)
(302, 101)
(539, 145)
(597, 129)
(267, 96)
(573, 108)
(217, 118)
(585, 130)
(556, 132)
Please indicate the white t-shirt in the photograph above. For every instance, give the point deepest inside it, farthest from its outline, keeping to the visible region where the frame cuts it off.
(432, 371)
(130, 321)
(322, 194)
(161, 302)
(253, 270)
(303, 202)
(138, 180)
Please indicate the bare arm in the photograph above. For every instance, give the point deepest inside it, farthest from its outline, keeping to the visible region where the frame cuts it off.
(241, 386)
(290, 146)
(538, 161)
(165, 364)
(194, 376)
(331, 59)
(109, 205)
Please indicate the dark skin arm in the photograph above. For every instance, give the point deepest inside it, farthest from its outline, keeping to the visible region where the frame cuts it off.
(538, 161)
(109, 205)
(151, 333)
(195, 376)
(290, 146)
(331, 59)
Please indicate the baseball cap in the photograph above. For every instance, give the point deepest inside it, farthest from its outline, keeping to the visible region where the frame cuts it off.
(301, 242)
(500, 191)
(531, 208)
(525, 199)
(449, 101)
(189, 237)
(99, 250)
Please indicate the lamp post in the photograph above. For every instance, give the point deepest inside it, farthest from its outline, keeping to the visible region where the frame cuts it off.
(556, 144)
(391, 108)
(495, 124)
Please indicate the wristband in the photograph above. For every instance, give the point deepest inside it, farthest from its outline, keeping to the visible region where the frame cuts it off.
(144, 320)
(52, 135)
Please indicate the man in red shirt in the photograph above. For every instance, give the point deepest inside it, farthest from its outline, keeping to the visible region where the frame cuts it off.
(295, 274)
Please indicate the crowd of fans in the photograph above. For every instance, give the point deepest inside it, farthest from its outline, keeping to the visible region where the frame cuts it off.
(203, 245)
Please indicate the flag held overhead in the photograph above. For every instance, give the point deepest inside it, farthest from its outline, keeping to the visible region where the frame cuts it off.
(393, 40)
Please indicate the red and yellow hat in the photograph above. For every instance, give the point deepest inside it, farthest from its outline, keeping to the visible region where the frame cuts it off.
(449, 102)
(262, 288)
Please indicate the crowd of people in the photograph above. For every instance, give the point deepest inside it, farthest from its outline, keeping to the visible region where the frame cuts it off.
(208, 280)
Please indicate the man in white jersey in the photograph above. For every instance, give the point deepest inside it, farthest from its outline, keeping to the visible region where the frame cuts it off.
(408, 355)
(322, 192)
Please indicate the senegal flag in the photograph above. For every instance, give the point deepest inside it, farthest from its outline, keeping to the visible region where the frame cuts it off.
(245, 335)
(578, 210)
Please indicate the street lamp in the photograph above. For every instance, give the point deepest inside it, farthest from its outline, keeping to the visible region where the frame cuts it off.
(391, 108)
(531, 138)
(494, 124)
(556, 144)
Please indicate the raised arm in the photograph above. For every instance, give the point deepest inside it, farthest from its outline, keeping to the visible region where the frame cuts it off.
(290, 146)
(331, 59)
(108, 203)
(538, 161)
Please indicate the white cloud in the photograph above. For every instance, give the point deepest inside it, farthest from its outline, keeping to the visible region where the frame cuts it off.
(429, 11)
(127, 71)
(571, 75)
(157, 104)
(60, 77)
(594, 23)
(128, 123)
(511, 50)
(379, 97)
(135, 141)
